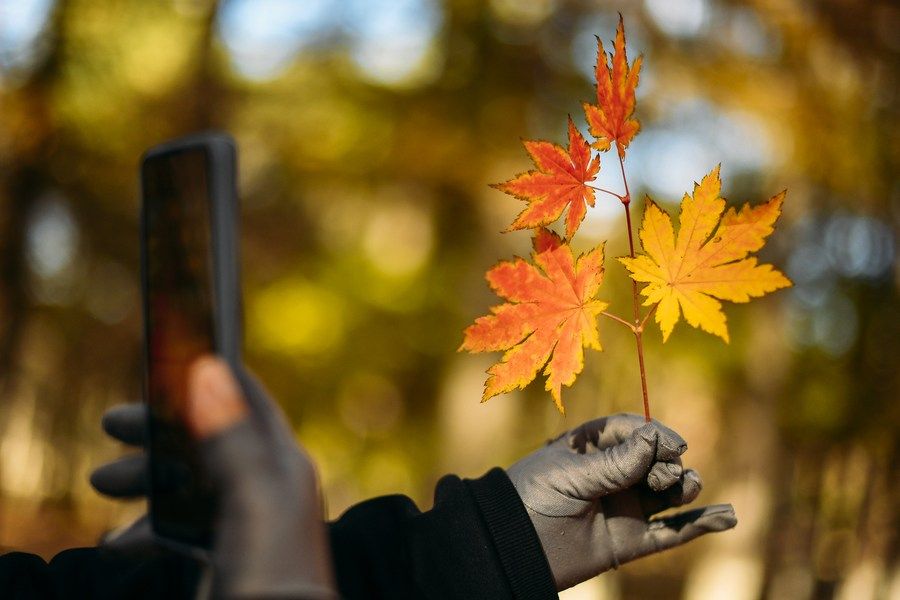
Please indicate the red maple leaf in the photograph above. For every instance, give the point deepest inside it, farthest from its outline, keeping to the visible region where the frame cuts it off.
(549, 318)
(610, 119)
(560, 181)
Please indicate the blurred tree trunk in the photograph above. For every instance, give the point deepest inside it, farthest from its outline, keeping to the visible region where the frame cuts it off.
(24, 176)
(206, 94)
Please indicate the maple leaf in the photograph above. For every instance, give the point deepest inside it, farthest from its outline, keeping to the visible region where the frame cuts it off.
(549, 318)
(687, 275)
(560, 181)
(610, 119)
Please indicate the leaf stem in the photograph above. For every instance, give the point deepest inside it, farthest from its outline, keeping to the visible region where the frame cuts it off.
(647, 316)
(638, 327)
(618, 319)
(606, 191)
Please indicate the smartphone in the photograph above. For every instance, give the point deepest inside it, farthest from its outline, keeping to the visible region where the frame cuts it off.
(192, 306)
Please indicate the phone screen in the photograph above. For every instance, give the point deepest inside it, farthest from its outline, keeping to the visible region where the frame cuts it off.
(179, 308)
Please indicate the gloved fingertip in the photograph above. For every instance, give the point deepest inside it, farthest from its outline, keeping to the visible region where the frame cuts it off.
(670, 445)
(717, 517)
(96, 480)
(691, 477)
(126, 423)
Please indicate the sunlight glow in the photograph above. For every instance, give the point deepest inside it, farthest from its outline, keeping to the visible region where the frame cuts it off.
(263, 36)
(52, 239)
(21, 25)
(689, 141)
(390, 40)
(679, 18)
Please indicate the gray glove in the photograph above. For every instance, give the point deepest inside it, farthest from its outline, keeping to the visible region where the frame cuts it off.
(591, 494)
(270, 536)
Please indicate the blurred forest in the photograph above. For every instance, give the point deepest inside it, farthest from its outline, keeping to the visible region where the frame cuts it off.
(368, 131)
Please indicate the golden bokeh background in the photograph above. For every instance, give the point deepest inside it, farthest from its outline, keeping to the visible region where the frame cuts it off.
(368, 133)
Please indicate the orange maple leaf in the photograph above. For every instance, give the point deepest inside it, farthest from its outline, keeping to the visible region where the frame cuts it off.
(549, 318)
(610, 119)
(687, 274)
(560, 181)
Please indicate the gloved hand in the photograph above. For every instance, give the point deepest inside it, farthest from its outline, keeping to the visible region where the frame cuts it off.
(591, 494)
(270, 536)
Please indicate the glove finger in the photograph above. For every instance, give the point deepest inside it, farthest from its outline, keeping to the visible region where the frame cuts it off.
(136, 539)
(668, 532)
(127, 477)
(618, 467)
(127, 423)
(664, 474)
(683, 492)
(606, 432)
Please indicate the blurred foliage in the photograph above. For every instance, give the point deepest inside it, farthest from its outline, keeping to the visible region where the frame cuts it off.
(368, 132)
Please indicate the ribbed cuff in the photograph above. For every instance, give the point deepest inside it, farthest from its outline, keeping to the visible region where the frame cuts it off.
(514, 536)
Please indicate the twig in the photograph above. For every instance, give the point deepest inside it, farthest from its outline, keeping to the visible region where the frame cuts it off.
(638, 326)
(619, 319)
(606, 191)
(648, 315)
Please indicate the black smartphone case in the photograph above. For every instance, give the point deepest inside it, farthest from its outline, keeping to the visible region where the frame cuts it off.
(224, 237)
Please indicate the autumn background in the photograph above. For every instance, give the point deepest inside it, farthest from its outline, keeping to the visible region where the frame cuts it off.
(369, 131)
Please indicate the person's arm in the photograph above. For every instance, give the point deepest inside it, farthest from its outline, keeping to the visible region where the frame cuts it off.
(583, 504)
(587, 498)
(93, 573)
(476, 542)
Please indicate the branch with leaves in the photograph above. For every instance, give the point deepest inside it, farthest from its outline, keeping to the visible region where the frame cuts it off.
(551, 309)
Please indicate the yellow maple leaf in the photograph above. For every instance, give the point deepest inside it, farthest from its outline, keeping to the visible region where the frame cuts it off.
(691, 273)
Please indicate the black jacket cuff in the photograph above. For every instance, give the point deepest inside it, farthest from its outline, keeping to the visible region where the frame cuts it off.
(513, 535)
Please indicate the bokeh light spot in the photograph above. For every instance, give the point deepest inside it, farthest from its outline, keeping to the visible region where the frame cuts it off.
(263, 36)
(679, 18)
(296, 317)
(21, 25)
(391, 40)
(397, 238)
(52, 238)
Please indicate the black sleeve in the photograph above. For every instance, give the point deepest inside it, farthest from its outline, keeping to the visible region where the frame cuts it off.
(95, 574)
(477, 542)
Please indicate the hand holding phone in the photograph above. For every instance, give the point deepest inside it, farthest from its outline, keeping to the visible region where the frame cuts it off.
(270, 536)
(221, 454)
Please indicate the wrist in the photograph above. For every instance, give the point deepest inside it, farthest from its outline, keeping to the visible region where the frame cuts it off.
(577, 548)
